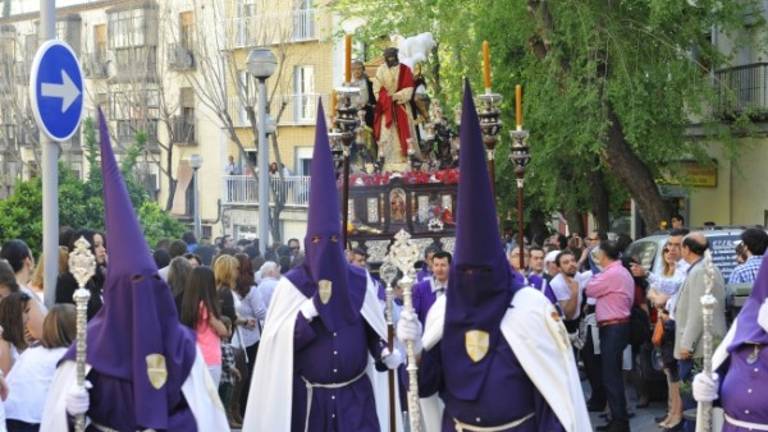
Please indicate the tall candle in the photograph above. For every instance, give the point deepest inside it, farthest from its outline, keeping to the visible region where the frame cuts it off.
(348, 58)
(519, 106)
(334, 101)
(487, 64)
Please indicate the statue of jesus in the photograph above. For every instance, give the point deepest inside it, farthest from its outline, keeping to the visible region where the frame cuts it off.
(393, 126)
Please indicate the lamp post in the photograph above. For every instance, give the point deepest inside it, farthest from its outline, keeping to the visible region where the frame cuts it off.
(196, 161)
(519, 155)
(262, 64)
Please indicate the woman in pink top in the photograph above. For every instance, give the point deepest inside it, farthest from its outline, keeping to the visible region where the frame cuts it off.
(200, 312)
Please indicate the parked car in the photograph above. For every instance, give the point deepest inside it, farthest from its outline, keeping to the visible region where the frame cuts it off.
(722, 243)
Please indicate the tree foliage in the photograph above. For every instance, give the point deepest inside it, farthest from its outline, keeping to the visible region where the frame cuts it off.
(602, 81)
(80, 201)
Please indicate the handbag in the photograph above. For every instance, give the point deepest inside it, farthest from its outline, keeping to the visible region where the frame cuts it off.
(658, 332)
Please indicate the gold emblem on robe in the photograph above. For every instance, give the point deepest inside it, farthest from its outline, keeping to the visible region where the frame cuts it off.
(156, 370)
(476, 343)
(324, 289)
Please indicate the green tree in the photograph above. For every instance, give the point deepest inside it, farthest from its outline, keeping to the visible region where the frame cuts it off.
(81, 202)
(610, 87)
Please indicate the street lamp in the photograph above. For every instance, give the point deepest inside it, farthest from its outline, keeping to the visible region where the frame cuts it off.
(262, 64)
(196, 161)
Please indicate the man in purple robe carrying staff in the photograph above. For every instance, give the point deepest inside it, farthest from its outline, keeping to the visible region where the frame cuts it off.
(494, 351)
(324, 327)
(740, 384)
(143, 366)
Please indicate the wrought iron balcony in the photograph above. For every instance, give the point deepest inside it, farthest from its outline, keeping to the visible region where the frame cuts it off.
(742, 90)
(243, 190)
(96, 66)
(184, 131)
(180, 57)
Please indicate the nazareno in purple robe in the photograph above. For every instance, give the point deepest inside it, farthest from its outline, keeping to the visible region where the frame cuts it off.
(333, 348)
(494, 390)
(744, 381)
(138, 319)
(423, 299)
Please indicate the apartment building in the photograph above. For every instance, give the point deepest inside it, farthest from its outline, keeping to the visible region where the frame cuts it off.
(174, 70)
(300, 34)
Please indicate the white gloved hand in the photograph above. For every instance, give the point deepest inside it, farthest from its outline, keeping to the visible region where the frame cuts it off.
(409, 329)
(762, 316)
(705, 387)
(308, 309)
(77, 399)
(392, 359)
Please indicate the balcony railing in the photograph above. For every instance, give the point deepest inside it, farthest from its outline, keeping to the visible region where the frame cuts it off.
(742, 89)
(244, 190)
(272, 28)
(183, 130)
(96, 66)
(180, 57)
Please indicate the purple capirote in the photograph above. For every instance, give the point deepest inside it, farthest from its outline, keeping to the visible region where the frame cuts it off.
(494, 390)
(334, 347)
(138, 320)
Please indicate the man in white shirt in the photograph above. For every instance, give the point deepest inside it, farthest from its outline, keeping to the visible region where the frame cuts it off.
(568, 285)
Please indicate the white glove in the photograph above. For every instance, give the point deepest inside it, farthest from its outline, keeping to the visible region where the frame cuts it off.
(409, 329)
(77, 399)
(393, 359)
(762, 316)
(705, 387)
(308, 309)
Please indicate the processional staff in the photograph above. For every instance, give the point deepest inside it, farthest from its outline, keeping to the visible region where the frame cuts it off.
(388, 273)
(403, 254)
(708, 301)
(82, 265)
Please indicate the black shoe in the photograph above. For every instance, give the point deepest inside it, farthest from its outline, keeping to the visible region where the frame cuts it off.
(660, 418)
(595, 407)
(615, 426)
(676, 428)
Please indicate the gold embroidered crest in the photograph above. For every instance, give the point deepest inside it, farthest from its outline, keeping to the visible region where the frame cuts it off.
(476, 342)
(156, 370)
(325, 290)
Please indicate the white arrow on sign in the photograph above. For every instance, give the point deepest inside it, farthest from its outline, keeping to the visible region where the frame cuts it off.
(67, 91)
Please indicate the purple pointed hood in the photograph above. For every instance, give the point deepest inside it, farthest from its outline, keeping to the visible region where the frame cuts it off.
(748, 330)
(324, 257)
(138, 323)
(481, 282)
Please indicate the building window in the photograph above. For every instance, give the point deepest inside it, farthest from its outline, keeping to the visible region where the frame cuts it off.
(186, 30)
(303, 21)
(100, 42)
(244, 14)
(132, 28)
(304, 104)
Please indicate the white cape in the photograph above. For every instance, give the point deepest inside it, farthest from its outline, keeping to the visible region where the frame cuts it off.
(201, 395)
(540, 342)
(273, 371)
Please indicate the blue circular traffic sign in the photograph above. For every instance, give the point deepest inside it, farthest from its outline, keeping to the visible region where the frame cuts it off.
(56, 90)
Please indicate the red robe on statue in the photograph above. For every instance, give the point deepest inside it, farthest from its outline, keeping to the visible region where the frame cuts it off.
(393, 112)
